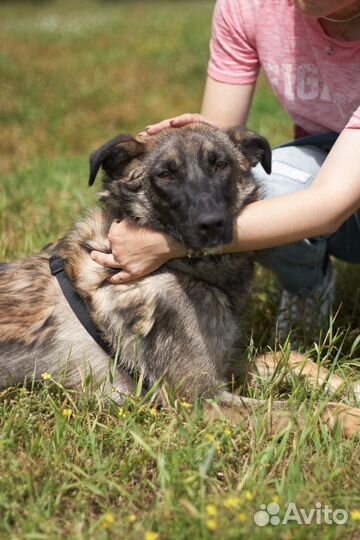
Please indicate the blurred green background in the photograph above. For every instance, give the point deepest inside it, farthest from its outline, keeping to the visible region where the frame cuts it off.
(75, 73)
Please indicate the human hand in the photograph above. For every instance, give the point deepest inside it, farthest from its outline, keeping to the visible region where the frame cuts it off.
(138, 251)
(176, 121)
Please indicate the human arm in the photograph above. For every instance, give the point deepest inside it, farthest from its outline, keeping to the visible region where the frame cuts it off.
(233, 70)
(224, 105)
(332, 198)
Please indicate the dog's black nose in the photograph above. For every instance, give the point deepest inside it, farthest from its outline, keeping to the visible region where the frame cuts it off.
(209, 225)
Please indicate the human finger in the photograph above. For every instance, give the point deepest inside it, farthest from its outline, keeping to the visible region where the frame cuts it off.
(185, 119)
(123, 277)
(159, 126)
(105, 259)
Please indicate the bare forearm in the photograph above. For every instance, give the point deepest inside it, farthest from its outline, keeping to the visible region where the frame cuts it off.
(279, 221)
(226, 105)
(333, 197)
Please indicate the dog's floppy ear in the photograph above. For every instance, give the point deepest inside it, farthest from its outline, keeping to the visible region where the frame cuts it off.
(113, 155)
(254, 147)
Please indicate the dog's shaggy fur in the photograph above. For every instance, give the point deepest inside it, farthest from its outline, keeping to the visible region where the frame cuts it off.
(182, 324)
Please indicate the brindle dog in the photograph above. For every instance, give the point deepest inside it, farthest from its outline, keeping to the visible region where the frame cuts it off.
(184, 323)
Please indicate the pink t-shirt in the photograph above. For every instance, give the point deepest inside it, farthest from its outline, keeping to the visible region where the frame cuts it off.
(316, 78)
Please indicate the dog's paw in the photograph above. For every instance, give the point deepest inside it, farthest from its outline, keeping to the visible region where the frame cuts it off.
(348, 418)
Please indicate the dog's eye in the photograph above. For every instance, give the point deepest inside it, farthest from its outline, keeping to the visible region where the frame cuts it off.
(165, 175)
(220, 165)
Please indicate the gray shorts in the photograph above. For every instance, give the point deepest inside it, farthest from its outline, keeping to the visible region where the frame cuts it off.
(301, 267)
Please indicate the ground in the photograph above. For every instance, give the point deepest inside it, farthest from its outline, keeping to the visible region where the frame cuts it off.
(73, 74)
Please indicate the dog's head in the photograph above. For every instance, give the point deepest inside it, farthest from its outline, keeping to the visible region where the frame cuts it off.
(190, 182)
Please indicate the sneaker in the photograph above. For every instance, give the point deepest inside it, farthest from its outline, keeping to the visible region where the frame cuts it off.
(305, 316)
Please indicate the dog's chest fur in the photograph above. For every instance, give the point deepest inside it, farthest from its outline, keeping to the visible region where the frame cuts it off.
(194, 304)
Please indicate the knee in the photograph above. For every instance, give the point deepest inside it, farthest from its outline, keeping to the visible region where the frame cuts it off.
(293, 169)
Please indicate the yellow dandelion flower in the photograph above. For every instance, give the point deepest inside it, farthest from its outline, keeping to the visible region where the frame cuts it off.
(107, 520)
(211, 524)
(153, 412)
(46, 376)
(249, 496)
(227, 432)
(209, 437)
(151, 535)
(211, 510)
(131, 518)
(232, 502)
(67, 412)
(122, 413)
(355, 515)
(186, 405)
(242, 517)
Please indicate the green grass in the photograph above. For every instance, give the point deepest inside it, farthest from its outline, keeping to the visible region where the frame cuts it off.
(73, 75)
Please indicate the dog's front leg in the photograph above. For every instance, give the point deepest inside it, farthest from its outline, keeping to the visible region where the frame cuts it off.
(276, 363)
(279, 414)
(348, 418)
(237, 409)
